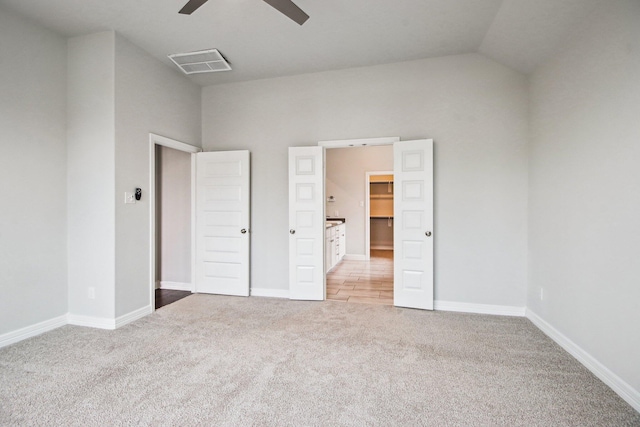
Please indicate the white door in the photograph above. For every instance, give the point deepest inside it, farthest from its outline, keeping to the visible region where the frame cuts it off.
(306, 223)
(413, 228)
(222, 223)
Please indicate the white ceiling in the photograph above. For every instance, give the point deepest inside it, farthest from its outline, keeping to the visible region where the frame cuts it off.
(259, 42)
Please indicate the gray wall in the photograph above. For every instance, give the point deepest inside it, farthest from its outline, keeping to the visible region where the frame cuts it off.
(584, 191)
(345, 180)
(33, 248)
(150, 97)
(473, 108)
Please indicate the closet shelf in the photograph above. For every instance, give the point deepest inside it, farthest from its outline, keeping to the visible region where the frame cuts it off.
(381, 196)
(381, 216)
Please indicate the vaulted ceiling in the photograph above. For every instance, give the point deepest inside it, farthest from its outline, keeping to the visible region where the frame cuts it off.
(260, 43)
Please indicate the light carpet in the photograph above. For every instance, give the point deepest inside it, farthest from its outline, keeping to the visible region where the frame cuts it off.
(211, 360)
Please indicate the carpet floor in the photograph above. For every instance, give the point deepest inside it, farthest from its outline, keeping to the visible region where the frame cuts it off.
(211, 360)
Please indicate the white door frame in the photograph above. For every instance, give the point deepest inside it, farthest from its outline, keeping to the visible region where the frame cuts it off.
(367, 210)
(345, 143)
(155, 140)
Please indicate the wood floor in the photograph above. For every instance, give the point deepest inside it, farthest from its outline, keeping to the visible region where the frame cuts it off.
(363, 281)
(167, 296)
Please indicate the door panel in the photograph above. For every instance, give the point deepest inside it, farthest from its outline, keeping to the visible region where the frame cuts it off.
(413, 234)
(222, 213)
(306, 223)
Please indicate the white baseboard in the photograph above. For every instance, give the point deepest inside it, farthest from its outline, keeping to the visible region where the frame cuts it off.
(349, 257)
(176, 286)
(133, 316)
(381, 247)
(31, 331)
(91, 322)
(465, 307)
(617, 384)
(271, 293)
(105, 323)
(71, 319)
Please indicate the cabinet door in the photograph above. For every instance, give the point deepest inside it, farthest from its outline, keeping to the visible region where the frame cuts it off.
(332, 247)
(327, 254)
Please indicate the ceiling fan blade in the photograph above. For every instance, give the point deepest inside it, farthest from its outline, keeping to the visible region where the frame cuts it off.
(191, 6)
(289, 8)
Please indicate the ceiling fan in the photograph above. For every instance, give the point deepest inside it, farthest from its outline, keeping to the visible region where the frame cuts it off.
(287, 7)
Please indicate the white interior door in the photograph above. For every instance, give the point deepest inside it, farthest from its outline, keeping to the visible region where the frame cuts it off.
(413, 216)
(306, 223)
(222, 223)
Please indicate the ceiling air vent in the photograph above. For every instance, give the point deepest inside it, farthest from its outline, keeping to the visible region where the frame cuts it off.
(205, 61)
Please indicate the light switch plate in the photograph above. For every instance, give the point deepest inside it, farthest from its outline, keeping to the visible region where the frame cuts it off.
(129, 198)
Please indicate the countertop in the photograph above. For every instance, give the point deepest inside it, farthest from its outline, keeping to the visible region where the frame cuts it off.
(333, 222)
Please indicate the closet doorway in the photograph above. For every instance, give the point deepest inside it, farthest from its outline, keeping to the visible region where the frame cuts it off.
(379, 211)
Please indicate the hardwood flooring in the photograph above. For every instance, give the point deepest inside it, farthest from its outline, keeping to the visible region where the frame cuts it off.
(167, 296)
(368, 282)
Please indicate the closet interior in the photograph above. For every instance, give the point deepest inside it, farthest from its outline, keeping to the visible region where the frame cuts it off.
(381, 212)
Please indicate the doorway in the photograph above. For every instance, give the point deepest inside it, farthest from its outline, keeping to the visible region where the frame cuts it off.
(359, 188)
(173, 225)
(413, 220)
(219, 241)
(172, 228)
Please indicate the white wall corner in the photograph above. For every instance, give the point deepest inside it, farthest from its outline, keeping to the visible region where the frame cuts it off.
(91, 322)
(133, 316)
(464, 307)
(31, 331)
(271, 293)
(617, 384)
(104, 323)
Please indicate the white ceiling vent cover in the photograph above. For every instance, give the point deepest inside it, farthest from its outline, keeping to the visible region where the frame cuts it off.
(204, 61)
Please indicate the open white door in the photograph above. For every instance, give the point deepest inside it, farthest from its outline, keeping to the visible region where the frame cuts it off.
(222, 223)
(306, 223)
(413, 216)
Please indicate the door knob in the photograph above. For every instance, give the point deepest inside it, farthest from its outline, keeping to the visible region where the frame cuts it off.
(292, 231)
(243, 231)
(428, 234)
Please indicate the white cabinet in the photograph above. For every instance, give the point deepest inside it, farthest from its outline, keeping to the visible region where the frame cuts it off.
(327, 249)
(342, 241)
(335, 245)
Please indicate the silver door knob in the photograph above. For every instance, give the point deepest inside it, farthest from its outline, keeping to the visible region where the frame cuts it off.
(428, 234)
(292, 231)
(243, 231)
